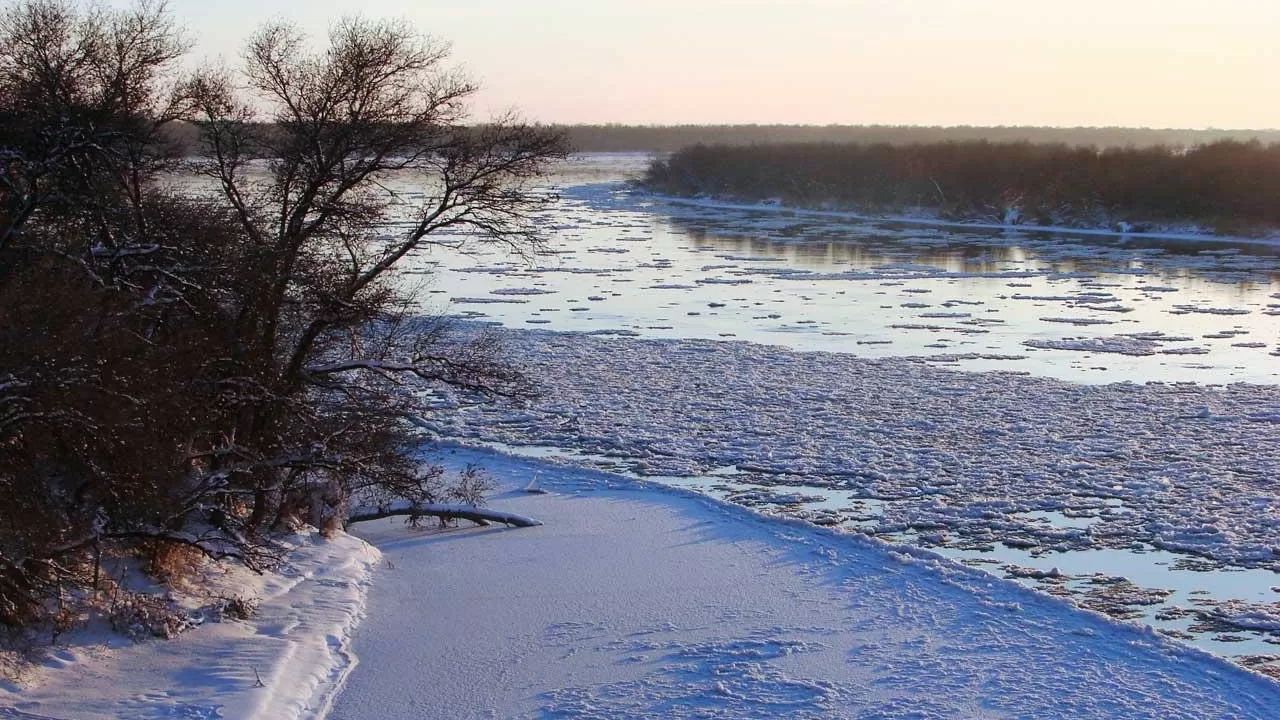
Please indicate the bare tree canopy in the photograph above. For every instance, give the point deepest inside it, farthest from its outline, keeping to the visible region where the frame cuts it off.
(202, 366)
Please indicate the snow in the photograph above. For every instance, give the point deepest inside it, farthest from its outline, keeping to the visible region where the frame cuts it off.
(287, 662)
(635, 601)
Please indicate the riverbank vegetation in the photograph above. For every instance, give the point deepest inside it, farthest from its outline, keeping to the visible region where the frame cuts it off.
(194, 367)
(669, 138)
(1226, 187)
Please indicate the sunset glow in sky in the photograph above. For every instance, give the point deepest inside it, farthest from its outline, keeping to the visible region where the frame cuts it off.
(1158, 63)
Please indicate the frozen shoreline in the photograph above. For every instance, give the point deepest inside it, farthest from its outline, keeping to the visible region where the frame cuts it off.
(1187, 464)
(637, 600)
(1272, 240)
(287, 662)
(634, 601)
(1144, 494)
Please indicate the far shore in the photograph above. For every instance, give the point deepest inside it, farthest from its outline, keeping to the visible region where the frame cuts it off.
(1271, 240)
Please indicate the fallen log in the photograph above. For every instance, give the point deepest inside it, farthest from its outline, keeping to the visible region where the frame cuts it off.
(477, 515)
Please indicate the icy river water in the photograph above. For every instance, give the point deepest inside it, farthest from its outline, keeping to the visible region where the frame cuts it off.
(1129, 516)
(1082, 308)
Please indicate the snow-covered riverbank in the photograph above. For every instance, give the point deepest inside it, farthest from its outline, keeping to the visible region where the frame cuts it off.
(285, 662)
(635, 600)
(638, 602)
(1161, 485)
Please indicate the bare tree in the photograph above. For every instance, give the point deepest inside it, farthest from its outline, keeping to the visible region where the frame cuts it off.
(322, 330)
(91, 257)
(87, 96)
(199, 367)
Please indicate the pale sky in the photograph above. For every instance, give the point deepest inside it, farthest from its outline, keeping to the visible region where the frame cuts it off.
(1155, 63)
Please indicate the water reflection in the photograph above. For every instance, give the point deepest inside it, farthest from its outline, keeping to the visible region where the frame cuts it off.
(1038, 303)
(859, 246)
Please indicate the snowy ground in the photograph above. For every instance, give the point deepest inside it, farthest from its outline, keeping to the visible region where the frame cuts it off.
(1041, 471)
(285, 663)
(635, 602)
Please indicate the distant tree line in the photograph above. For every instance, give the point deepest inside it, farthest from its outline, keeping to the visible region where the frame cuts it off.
(669, 138)
(1229, 185)
(187, 369)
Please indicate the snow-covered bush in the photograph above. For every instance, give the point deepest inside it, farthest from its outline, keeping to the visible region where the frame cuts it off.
(233, 608)
(140, 616)
(471, 486)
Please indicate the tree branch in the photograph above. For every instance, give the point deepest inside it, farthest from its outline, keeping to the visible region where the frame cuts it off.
(480, 516)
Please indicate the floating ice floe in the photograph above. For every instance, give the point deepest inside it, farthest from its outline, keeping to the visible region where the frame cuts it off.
(1184, 309)
(486, 301)
(1191, 465)
(1077, 321)
(1112, 344)
(521, 291)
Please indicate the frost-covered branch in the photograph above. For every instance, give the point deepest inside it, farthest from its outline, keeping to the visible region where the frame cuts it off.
(478, 515)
